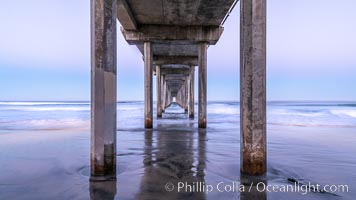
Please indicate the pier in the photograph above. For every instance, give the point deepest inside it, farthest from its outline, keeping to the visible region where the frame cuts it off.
(173, 37)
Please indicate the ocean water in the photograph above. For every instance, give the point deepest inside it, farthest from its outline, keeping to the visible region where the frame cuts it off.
(45, 146)
(66, 115)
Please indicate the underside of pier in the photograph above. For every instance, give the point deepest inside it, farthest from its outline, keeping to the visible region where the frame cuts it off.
(173, 37)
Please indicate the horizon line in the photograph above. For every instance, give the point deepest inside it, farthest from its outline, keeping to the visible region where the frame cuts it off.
(120, 101)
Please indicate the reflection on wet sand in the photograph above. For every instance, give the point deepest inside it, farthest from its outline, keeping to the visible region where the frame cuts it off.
(170, 158)
(253, 187)
(174, 166)
(102, 190)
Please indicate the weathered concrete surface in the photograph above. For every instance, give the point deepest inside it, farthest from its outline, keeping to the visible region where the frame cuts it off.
(174, 86)
(179, 98)
(174, 27)
(203, 47)
(183, 60)
(253, 87)
(177, 71)
(191, 92)
(165, 94)
(148, 85)
(167, 49)
(162, 97)
(125, 16)
(173, 34)
(174, 77)
(158, 91)
(182, 12)
(186, 99)
(168, 98)
(103, 89)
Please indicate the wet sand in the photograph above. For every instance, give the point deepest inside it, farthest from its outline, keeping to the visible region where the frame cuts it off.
(54, 164)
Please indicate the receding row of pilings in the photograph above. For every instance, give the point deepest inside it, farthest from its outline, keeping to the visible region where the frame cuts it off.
(103, 87)
(175, 82)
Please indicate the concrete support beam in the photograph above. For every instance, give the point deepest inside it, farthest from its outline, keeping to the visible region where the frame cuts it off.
(158, 91)
(174, 78)
(125, 16)
(177, 71)
(253, 87)
(173, 34)
(191, 93)
(148, 85)
(202, 50)
(103, 90)
(186, 82)
(175, 85)
(183, 60)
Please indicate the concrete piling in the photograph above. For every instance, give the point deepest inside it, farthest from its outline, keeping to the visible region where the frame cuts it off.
(191, 93)
(162, 92)
(164, 97)
(103, 90)
(186, 99)
(202, 61)
(253, 87)
(148, 85)
(158, 92)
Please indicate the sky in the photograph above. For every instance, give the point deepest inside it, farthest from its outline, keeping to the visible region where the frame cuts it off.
(311, 53)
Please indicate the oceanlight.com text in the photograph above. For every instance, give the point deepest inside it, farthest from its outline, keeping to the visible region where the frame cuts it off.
(235, 186)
